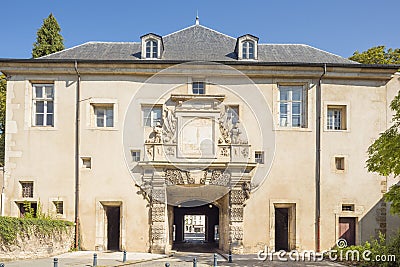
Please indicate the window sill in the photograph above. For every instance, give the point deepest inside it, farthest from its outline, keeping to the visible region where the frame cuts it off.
(103, 129)
(293, 129)
(43, 128)
(337, 131)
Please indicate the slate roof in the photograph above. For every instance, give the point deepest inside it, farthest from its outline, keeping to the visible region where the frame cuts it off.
(199, 43)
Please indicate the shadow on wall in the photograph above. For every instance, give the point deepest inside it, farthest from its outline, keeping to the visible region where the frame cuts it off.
(378, 219)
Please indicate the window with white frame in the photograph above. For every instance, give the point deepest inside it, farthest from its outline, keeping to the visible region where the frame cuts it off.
(198, 88)
(103, 115)
(152, 116)
(292, 106)
(151, 49)
(248, 50)
(336, 118)
(43, 104)
(135, 155)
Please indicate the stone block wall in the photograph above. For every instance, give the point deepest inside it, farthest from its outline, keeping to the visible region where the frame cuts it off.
(30, 244)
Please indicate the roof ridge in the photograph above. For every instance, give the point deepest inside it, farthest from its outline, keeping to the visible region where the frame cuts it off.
(199, 26)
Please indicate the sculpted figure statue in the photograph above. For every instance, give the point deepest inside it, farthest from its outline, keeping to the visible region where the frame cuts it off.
(158, 133)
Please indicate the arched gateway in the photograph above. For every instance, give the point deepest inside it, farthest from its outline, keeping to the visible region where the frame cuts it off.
(202, 160)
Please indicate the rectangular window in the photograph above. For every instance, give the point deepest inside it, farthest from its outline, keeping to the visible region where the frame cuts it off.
(86, 163)
(59, 206)
(27, 189)
(336, 118)
(198, 88)
(104, 115)
(135, 156)
(259, 157)
(347, 207)
(339, 163)
(292, 106)
(43, 104)
(152, 116)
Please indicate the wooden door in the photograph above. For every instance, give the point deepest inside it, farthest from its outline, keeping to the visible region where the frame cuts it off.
(347, 229)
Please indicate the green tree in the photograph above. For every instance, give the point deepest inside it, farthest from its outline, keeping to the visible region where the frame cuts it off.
(48, 39)
(377, 55)
(384, 155)
(3, 85)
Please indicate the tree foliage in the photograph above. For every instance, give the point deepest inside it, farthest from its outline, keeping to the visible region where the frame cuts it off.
(48, 39)
(3, 86)
(384, 155)
(377, 55)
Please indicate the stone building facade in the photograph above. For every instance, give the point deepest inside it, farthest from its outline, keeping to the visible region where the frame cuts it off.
(268, 141)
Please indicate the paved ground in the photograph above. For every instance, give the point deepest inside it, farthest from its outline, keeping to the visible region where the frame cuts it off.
(85, 258)
(183, 257)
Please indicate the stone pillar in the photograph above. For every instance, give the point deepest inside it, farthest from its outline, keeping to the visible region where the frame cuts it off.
(236, 200)
(159, 222)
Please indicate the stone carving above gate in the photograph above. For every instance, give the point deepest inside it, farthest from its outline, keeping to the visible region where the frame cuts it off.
(179, 177)
(174, 177)
(219, 177)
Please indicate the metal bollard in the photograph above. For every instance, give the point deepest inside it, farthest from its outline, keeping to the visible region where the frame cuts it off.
(124, 257)
(230, 257)
(94, 259)
(167, 264)
(195, 262)
(55, 262)
(215, 260)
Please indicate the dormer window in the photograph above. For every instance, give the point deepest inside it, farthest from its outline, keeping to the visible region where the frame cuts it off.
(246, 47)
(152, 46)
(248, 50)
(151, 49)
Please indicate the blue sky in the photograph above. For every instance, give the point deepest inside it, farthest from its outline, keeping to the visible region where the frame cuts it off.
(337, 26)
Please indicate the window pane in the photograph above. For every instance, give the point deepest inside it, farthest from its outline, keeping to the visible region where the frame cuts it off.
(146, 116)
(296, 94)
(49, 119)
(100, 112)
(284, 94)
(50, 107)
(39, 106)
(110, 118)
(283, 108)
(39, 119)
(296, 108)
(49, 91)
(157, 114)
(296, 121)
(38, 91)
(100, 122)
